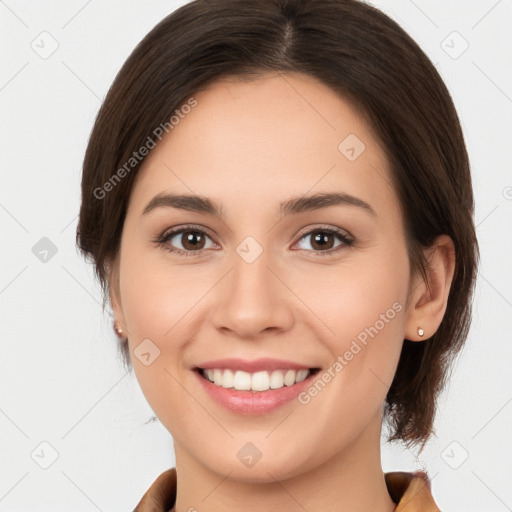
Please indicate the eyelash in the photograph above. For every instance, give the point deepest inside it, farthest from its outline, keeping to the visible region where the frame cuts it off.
(163, 240)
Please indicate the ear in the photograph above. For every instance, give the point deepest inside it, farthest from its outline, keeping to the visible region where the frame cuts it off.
(114, 293)
(429, 299)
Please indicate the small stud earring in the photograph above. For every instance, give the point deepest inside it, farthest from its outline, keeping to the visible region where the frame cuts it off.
(421, 332)
(118, 330)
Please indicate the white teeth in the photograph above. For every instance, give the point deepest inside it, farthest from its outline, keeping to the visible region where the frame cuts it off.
(227, 379)
(258, 381)
(301, 375)
(241, 382)
(276, 379)
(289, 378)
(217, 377)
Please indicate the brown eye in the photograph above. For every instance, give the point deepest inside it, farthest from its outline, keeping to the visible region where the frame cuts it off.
(191, 240)
(186, 241)
(323, 240)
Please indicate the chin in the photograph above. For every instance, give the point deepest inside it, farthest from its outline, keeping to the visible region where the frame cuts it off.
(265, 470)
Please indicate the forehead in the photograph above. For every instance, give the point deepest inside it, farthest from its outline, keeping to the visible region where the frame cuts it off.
(262, 140)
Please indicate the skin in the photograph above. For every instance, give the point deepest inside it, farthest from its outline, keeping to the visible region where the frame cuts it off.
(249, 146)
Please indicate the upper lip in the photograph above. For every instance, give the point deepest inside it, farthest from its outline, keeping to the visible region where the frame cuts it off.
(255, 365)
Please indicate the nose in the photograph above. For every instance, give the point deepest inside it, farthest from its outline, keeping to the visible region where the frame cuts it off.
(253, 299)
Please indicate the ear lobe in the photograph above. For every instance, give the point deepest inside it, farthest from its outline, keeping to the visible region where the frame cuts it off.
(430, 299)
(114, 293)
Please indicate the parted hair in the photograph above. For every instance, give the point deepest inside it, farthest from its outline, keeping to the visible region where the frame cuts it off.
(366, 58)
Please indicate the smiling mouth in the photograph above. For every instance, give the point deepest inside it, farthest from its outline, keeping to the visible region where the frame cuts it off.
(256, 381)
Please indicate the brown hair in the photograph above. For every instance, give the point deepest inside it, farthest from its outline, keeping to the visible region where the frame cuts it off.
(365, 57)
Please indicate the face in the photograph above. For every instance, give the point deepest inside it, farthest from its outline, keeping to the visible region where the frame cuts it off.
(316, 284)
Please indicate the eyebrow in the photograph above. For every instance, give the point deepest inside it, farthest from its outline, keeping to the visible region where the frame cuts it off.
(201, 204)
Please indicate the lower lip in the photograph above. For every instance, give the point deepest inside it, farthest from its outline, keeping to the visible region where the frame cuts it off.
(253, 402)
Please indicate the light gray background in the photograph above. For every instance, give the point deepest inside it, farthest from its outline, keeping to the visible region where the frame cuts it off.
(61, 381)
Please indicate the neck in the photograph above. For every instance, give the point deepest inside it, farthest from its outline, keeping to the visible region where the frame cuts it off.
(351, 480)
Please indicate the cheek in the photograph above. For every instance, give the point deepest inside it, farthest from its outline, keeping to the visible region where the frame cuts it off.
(362, 308)
(156, 295)
(358, 299)
(351, 391)
(156, 300)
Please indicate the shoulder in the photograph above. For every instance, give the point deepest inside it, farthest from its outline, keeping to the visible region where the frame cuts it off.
(161, 495)
(411, 491)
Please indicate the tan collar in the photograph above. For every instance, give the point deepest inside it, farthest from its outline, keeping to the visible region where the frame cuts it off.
(411, 492)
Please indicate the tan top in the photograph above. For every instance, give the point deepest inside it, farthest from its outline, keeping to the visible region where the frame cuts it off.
(410, 491)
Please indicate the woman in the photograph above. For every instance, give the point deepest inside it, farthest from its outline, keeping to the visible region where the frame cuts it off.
(277, 200)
